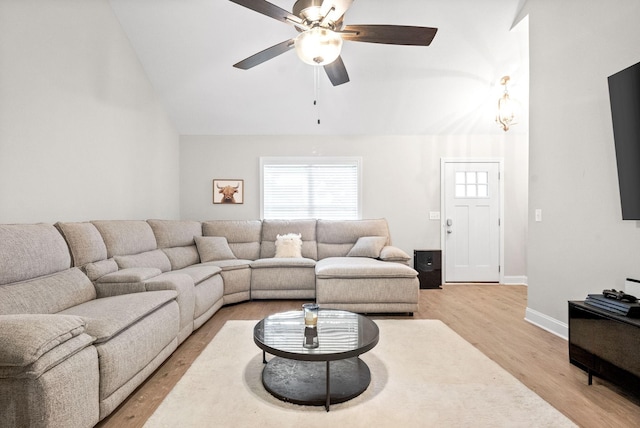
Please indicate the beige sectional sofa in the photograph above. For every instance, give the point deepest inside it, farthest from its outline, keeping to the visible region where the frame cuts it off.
(88, 310)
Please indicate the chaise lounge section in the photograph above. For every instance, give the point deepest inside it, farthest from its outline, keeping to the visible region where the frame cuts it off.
(88, 310)
(354, 272)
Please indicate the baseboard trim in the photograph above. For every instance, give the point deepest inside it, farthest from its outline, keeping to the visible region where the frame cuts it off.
(515, 280)
(547, 323)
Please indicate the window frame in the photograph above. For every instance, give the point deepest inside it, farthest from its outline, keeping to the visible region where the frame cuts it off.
(312, 160)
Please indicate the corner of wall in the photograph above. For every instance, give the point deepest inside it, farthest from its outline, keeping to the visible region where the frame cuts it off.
(547, 323)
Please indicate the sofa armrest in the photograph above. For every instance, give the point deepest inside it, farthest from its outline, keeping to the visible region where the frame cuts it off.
(125, 281)
(129, 275)
(32, 343)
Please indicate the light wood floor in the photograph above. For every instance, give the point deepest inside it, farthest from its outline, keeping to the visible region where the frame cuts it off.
(491, 317)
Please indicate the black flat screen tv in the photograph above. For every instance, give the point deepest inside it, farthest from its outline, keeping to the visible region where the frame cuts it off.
(624, 96)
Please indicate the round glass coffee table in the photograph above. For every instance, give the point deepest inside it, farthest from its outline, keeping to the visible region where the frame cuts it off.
(327, 374)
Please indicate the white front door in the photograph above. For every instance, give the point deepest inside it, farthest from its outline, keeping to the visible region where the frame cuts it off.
(471, 221)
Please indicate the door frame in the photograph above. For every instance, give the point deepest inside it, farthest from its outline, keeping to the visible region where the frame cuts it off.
(443, 216)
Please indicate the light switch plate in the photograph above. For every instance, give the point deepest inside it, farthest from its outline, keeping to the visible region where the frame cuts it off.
(538, 214)
(434, 215)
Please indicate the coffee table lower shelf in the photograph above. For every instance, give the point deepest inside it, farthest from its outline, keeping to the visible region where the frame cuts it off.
(316, 383)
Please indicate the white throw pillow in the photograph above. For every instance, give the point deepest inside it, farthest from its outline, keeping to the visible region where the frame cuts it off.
(289, 245)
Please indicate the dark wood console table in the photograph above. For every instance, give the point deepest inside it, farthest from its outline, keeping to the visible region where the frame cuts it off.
(605, 344)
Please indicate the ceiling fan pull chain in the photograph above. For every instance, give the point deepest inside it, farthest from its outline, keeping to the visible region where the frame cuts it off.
(316, 89)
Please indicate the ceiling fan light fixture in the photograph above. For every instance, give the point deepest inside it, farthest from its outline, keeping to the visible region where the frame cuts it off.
(318, 46)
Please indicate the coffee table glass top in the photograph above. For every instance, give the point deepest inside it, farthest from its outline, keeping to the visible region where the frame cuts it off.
(341, 335)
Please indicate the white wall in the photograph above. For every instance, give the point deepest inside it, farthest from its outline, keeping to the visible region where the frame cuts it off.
(401, 178)
(581, 246)
(82, 135)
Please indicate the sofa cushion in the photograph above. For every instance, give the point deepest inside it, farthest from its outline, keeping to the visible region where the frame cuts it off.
(85, 242)
(243, 236)
(48, 294)
(31, 250)
(123, 237)
(294, 262)
(213, 248)
(31, 336)
(175, 233)
(200, 273)
(394, 254)
(109, 316)
(181, 257)
(361, 267)
(289, 245)
(150, 259)
(368, 246)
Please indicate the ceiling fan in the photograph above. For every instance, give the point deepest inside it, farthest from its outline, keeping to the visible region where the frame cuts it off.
(319, 43)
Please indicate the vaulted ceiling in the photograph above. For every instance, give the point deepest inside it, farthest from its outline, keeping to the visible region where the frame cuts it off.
(188, 47)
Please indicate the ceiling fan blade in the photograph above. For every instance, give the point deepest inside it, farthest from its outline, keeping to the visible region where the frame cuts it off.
(333, 10)
(389, 34)
(265, 55)
(270, 10)
(337, 72)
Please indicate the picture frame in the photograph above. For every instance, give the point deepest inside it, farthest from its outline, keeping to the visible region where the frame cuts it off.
(228, 191)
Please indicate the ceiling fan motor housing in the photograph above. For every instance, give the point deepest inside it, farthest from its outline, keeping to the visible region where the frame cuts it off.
(310, 11)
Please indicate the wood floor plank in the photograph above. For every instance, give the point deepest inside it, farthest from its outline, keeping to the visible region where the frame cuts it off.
(491, 317)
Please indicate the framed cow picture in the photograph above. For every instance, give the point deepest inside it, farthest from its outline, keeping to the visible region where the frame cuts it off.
(228, 191)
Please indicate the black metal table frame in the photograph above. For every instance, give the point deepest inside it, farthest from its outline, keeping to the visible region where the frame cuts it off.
(323, 357)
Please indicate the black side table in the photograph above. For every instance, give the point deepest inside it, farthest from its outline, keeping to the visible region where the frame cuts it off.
(428, 263)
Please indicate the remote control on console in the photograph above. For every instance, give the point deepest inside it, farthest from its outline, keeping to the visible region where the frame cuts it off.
(619, 295)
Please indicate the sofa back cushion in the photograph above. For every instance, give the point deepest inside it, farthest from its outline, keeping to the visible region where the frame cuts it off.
(337, 237)
(272, 228)
(181, 257)
(176, 239)
(30, 251)
(47, 294)
(84, 241)
(175, 233)
(243, 236)
(124, 237)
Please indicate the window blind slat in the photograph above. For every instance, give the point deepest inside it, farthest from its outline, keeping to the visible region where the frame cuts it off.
(311, 189)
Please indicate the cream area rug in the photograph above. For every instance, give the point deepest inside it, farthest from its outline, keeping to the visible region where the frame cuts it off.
(422, 375)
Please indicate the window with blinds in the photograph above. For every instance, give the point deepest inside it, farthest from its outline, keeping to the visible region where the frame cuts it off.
(320, 188)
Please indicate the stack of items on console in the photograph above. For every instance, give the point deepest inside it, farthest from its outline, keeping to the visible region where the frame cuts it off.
(615, 302)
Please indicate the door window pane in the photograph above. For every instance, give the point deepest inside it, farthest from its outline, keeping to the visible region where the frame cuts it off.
(472, 184)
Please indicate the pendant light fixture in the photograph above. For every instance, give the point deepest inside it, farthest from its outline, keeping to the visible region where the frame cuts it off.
(505, 116)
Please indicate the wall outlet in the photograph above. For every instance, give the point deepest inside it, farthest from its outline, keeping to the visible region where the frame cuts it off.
(434, 215)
